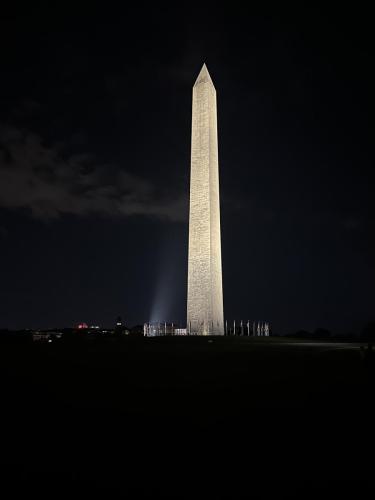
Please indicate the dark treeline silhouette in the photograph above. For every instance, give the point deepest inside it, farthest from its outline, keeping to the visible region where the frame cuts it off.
(319, 333)
(368, 332)
(68, 335)
(15, 337)
(325, 334)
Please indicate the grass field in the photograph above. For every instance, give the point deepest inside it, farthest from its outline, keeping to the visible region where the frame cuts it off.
(188, 416)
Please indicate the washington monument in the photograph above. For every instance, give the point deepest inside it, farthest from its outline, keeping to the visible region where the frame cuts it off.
(205, 289)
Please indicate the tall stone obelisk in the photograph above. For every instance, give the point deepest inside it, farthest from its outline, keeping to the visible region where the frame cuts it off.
(205, 289)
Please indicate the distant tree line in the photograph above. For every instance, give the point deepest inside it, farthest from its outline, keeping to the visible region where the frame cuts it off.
(366, 334)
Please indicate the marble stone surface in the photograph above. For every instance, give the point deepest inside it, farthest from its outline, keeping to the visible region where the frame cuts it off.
(205, 290)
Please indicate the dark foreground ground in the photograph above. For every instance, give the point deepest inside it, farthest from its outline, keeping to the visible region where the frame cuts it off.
(188, 417)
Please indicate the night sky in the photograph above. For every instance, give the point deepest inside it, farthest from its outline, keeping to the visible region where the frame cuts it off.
(95, 127)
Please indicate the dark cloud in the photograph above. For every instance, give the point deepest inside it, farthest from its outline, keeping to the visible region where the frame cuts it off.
(48, 183)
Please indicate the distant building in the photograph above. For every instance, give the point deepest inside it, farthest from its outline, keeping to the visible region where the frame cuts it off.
(43, 336)
(120, 329)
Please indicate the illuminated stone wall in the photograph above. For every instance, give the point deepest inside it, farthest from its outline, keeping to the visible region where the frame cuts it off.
(205, 291)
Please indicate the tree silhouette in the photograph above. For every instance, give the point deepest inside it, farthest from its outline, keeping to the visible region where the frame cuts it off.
(368, 332)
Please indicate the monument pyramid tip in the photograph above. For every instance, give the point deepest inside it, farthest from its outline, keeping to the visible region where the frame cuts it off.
(204, 76)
